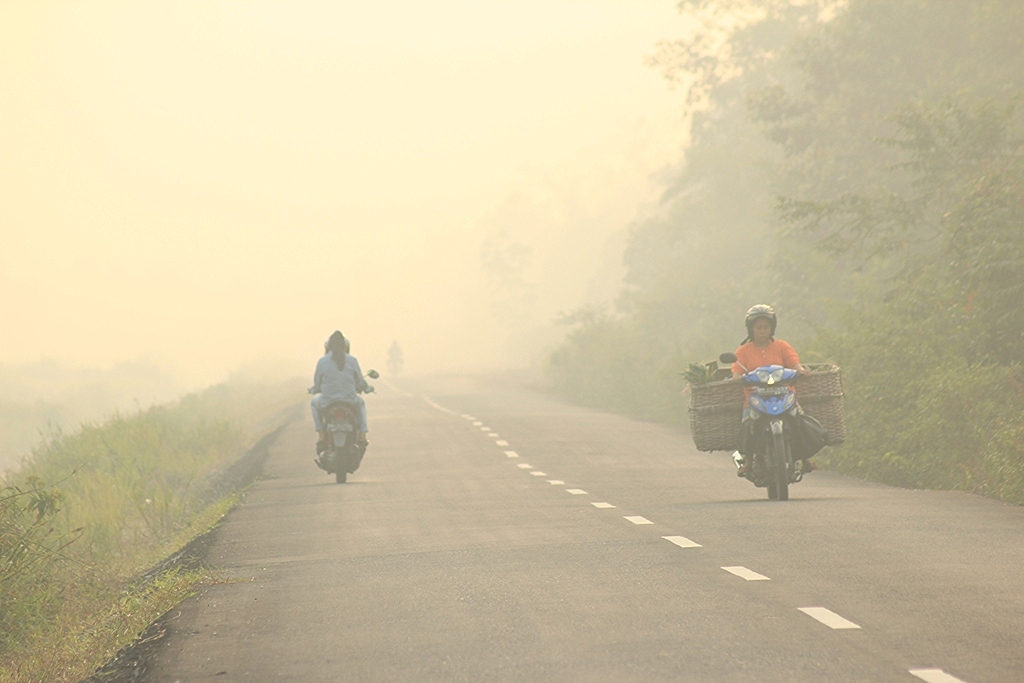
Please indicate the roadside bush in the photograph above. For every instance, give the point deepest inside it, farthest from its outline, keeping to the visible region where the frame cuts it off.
(91, 511)
(30, 552)
(961, 431)
(921, 413)
(604, 363)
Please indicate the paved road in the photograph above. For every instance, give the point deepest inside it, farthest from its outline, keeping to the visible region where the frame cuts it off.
(495, 534)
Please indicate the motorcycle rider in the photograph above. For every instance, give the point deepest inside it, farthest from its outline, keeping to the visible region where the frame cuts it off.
(337, 377)
(395, 359)
(758, 349)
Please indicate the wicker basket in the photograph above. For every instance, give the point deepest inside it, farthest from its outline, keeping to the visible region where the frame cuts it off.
(716, 408)
(821, 396)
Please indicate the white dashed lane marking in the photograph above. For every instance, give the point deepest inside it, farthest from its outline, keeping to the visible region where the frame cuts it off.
(828, 617)
(934, 676)
(747, 574)
(681, 541)
(820, 614)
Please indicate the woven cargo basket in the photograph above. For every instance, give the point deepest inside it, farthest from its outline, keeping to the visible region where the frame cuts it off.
(820, 394)
(716, 408)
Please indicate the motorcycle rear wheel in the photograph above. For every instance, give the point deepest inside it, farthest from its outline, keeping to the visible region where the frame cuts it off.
(343, 460)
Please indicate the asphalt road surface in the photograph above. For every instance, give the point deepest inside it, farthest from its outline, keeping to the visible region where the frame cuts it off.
(497, 534)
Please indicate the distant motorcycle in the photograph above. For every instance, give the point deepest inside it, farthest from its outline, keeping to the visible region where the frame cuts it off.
(395, 358)
(773, 431)
(342, 454)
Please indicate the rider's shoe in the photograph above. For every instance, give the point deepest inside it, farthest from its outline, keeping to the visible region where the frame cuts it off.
(808, 466)
(321, 446)
(740, 462)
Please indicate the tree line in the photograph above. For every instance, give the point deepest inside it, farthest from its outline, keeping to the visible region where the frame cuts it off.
(860, 166)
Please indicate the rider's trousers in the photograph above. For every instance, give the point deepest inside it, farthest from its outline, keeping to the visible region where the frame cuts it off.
(320, 402)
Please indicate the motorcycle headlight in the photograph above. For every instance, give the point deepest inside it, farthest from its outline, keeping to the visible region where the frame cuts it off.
(763, 376)
(777, 374)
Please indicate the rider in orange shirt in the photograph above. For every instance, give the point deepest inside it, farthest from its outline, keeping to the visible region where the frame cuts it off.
(762, 348)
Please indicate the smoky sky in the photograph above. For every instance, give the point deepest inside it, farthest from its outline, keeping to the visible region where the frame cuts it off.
(214, 185)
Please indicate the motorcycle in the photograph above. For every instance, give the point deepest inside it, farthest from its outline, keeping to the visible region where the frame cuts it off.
(342, 454)
(771, 431)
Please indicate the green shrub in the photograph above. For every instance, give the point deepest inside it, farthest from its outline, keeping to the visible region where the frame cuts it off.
(921, 413)
(92, 510)
(604, 363)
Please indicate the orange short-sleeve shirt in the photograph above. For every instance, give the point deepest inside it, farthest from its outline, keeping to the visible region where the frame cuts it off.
(777, 352)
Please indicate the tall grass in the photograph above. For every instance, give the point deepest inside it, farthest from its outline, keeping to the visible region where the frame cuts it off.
(91, 511)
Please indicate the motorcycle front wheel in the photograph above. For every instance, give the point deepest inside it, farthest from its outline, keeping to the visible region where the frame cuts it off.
(770, 468)
(778, 475)
(340, 477)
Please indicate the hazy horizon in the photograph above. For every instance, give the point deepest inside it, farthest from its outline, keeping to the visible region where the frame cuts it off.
(210, 186)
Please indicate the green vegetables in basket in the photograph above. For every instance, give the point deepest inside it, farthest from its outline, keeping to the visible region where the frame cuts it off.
(701, 373)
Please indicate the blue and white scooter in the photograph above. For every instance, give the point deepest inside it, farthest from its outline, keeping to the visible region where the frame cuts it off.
(772, 407)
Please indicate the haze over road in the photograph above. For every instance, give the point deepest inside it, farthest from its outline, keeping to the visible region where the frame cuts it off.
(494, 534)
(199, 165)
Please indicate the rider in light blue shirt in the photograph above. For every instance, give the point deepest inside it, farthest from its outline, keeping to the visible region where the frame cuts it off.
(338, 377)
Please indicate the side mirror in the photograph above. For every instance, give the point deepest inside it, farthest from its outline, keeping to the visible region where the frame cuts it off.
(373, 374)
(728, 358)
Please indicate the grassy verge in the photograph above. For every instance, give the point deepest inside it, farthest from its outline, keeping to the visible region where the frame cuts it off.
(90, 514)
